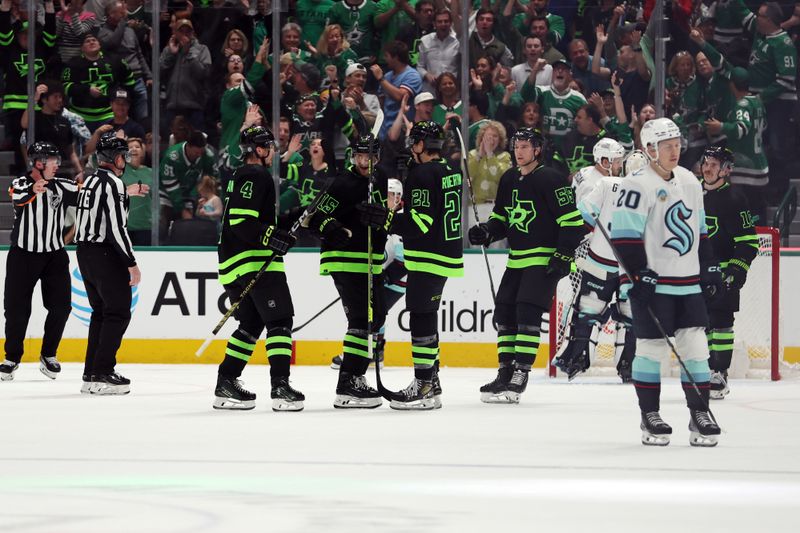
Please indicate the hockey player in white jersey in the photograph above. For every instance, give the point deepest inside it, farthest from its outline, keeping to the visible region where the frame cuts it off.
(596, 190)
(660, 234)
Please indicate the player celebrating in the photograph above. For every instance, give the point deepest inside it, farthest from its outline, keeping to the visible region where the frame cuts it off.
(250, 237)
(731, 230)
(596, 189)
(430, 226)
(535, 210)
(344, 256)
(659, 232)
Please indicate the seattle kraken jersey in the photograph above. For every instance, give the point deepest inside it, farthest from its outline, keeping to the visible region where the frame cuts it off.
(659, 224)
(731, 227)
(538, 215)
(430, 224)
(599, 204)
(584, 181)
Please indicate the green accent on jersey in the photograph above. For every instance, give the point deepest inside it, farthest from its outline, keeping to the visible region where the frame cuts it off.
(556, 23)
(521, 213)
(432, 263)
(140, 210)
(353, 262)
(573, 218)
(328, 204)
(358, 25)
(311, 15)
(179, 176)
(242, 344)
(422, 220)
(712, 225)
(420, 198)
(565, 196)
(748, 221)
(773, 63)
(237, 354)
(247, 262)
(731, 15)
(247, 190)
(744, 129)
(526, 258)
(244, 212)
(558, 111)
(440, 112)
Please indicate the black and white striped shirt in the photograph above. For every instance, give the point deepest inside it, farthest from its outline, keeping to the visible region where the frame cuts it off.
(39, 218)
(103, 214)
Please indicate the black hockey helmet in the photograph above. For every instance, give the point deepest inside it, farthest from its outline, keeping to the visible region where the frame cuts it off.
(429, 132)
(531, 135)
(110, 146)
(42, 150)
(256, 136)
(367, 144)
(723, 155)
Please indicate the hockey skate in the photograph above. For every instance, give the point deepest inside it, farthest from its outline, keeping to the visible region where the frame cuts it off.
(86, 384)
(704, 432)
(625, 371)
(230, 394)
(517, 385)
(284, 397)
(655, 432)
(496, 391)
(437, 390)
(7, 370)
(719, 385)
(49, 366)
(353, 392)
(336, 362)
(110, 384)
(416, 397)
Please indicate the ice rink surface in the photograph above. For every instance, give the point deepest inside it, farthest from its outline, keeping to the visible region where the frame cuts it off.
(568, 458)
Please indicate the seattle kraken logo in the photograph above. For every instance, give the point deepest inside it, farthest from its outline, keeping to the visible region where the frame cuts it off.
(675, 219)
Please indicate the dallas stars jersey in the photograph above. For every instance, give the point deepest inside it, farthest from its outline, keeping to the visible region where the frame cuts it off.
(311, 15)
(82, 74)
(339, 203)
(575, 152)
(687, 104)
(358, 25)
(537, 213)
(558, 111)
(304, 183)
(179, 176)
(744, 129)
(15, 59)
(732, 16)
(731, 227)
(659, 224)
(430, 224)
(599, 203)
(249, 212)
(773, 64)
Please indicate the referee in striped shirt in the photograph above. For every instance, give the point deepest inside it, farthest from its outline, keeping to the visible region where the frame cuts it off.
(107, 264)
(37, 254)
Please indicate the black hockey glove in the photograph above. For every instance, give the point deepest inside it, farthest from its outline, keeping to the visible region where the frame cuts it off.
(479, 235)
(711, 281)
(734, 276)
(334, 233)
(559, 265)
(375, 216)
(278, 240)
(644, 286)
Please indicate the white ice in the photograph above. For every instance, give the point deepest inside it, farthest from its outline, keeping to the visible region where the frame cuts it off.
(568, 458)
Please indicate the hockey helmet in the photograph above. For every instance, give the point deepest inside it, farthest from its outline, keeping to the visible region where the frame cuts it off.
(723, 155)
(429, 132)
(42, 151)
(255, 136)
(657, 130)
(395, 186)
(110, 146)
(607, 149)
(635, 160)
(531, 135)
(367, 144)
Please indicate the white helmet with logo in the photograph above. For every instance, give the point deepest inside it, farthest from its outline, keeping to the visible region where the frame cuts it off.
(607, 149)
(657, 130)
(636, 160)
(395, 186)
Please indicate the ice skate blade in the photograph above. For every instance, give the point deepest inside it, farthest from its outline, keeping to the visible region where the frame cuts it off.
(343, 401)
(502, 397)
(43, 369)
(7, 377)
(426, 404)
(437, 402)
(648, 439)
(104, 389)
(86, 388)
(719, 394)
(230, 404)
(703, 441)
(279, 405)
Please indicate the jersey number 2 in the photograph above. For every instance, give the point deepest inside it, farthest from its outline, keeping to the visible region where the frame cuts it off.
(452, 216)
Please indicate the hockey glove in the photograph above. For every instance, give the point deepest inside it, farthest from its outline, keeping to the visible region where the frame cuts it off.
(644, 286)
(734, 276)
(334, 233)
(559, 265)
(479, 235)
(375, 216)
(278, 240)
(711, 280)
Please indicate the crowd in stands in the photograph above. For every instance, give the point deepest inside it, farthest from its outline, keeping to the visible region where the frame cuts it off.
(579, 70)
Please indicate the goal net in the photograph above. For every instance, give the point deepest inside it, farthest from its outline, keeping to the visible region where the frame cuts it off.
(758, 351)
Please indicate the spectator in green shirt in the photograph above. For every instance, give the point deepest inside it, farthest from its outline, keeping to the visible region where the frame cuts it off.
(140, 212)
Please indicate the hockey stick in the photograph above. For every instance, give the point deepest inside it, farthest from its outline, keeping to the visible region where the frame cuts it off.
(465, 171)
(310, 210)
(655, 319)
(307, 322)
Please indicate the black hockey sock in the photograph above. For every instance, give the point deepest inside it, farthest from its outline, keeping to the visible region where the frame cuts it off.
(355, 352)
(506, 337)
(424, 344)
(720, 346)
(237, 353)
(279, 351)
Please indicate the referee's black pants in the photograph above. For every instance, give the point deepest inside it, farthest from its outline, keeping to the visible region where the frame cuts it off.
(107, 283)
(23, 270)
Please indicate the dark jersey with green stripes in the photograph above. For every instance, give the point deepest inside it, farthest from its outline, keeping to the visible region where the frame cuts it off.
(537, 213)
(249, 213)
(339, 203)
(14, 59)
(103, 74)
(731, 227)
(430, 223)
(575, 152)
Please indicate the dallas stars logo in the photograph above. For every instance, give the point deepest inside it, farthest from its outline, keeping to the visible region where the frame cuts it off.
(308, 193)
(712, 223)
(22, 66)
(580, 159)
(521, 214)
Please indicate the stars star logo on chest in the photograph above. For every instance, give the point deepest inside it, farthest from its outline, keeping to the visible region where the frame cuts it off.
(308, 193)
(521, 213)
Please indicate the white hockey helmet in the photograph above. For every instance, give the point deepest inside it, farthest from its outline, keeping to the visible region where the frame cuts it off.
(634, 161)
(395, 186)
(607, 149)
(657, 130)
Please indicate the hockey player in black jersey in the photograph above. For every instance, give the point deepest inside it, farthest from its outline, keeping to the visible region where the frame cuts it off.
(535, 210)
(343, 256)
(430, 225)
(731, 230)
(249, 238)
